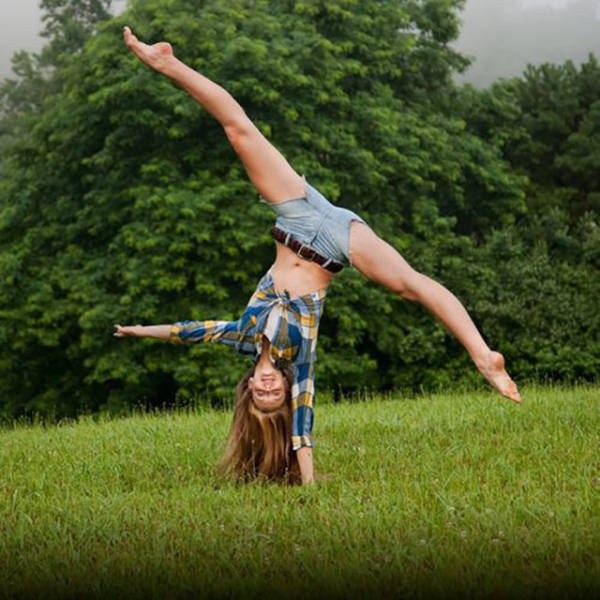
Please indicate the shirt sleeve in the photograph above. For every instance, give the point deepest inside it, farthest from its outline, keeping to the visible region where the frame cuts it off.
(225, 332)
(302, 405)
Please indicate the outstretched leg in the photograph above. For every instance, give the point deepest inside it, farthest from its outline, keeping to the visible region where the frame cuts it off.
(267, 169)
(378, 261)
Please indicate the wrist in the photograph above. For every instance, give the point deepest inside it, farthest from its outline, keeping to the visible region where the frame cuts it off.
(305, 462)
(308, 479)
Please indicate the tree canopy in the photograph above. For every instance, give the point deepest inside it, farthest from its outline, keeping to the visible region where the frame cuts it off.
(121, 200)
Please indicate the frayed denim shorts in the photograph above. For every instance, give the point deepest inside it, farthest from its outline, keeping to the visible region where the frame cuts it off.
(317, 223)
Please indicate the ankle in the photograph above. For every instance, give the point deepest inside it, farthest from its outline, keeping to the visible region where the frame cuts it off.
(171, 67)
(482, 358)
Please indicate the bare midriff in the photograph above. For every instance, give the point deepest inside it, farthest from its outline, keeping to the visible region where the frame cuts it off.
(296, 275)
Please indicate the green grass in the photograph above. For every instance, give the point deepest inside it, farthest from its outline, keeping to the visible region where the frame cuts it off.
(464, 495)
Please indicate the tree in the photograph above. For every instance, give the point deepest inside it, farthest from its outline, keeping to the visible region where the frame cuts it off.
(67, 25)
(557, 103)
(123, 202)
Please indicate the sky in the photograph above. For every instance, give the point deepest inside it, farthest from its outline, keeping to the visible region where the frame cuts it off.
(503, 36)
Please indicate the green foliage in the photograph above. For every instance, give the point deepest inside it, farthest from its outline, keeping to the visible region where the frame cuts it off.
(67, 26)
(548, 122)
(121, 201)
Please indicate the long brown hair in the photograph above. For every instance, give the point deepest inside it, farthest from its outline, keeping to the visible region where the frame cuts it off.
(260, 443)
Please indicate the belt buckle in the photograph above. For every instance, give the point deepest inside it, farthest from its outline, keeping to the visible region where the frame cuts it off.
(302, 246)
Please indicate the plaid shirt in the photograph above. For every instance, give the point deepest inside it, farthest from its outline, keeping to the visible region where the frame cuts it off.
(291, 326)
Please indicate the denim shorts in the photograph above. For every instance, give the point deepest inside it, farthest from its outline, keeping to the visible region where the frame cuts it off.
(314, 221)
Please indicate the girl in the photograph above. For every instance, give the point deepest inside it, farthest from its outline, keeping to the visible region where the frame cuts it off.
(273, 417)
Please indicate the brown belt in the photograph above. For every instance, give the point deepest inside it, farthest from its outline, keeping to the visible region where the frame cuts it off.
(304, 251)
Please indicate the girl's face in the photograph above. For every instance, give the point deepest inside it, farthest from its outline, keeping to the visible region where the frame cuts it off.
(268, 385)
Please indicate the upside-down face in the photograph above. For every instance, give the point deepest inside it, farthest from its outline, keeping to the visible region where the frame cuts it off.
(268, 385)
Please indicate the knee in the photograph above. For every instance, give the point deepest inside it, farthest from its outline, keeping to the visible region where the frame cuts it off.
(234, 134)
(408, 286)
(236, 131)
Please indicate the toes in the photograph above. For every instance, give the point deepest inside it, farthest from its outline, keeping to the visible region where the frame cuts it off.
(130, 39)
(513, 393)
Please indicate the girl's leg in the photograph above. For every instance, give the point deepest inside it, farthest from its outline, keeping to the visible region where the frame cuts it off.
(267, 169)
(378, 261)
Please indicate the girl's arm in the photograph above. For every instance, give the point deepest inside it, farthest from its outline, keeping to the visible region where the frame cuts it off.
(161, 332)
(268, 170)
(184, 332)
(302, 417)
(305, 462)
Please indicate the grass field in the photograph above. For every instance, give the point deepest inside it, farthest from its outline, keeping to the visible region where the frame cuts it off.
(444, 496)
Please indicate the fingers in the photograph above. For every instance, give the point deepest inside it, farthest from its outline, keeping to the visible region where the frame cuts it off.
(125, 330)
(121, 331)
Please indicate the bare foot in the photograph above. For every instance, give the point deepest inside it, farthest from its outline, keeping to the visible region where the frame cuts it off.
(493, 370)
(156, 56)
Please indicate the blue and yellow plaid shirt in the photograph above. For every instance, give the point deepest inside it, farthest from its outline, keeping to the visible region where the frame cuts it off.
(290, 324)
